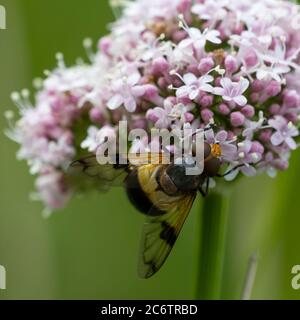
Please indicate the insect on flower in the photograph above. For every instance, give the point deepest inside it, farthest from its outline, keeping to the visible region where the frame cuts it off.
(164, 193)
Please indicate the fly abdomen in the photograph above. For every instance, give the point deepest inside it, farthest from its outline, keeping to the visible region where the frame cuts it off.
(139, 197)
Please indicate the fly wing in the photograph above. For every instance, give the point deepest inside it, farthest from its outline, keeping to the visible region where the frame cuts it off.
(161, 232)
(104, 176)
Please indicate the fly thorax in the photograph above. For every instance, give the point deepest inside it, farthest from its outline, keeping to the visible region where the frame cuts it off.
(167, 184)
(180, 178)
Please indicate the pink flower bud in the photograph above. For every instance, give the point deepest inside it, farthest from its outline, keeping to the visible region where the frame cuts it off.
(206, 100)
(207, 115)
(151, 94)
(257, 85)
(237, 119)
(179, 35)
(292, 117)
(139, 123)
(172, 100)
(162, 83)
(189, 117)
(97, 115)
(159, 66)
(206, 64)
(218, 81)
(184, 100)
(223, 108)
(257, 147)
(274, 108)
(273, 88)
(291, 99)
(265, 135)
(192, 69)
(239, 28)
(104, 45)
(184, 6)
(251, 59)
(230, 135)
(248, 111)
(231, 64)
(254, 97)
(151, 115)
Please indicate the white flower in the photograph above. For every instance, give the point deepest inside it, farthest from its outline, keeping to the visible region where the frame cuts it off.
(126, 91)
(233, 91)
(193, 85)
(253, 126)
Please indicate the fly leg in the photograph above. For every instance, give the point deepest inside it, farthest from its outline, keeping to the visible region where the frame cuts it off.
(230, 171)
(204, 193)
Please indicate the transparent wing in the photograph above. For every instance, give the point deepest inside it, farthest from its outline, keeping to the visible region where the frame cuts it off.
(102, 176)
(161, 232)
(108, 175)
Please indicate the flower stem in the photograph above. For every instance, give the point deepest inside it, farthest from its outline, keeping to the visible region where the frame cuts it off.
(212, 245)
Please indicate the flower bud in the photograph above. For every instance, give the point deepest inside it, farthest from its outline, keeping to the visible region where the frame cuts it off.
(237, 119)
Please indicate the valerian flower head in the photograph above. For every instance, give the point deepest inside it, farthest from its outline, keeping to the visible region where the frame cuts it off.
(172, 64)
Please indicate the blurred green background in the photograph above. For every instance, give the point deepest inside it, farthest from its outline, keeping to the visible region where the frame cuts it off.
(89, 250)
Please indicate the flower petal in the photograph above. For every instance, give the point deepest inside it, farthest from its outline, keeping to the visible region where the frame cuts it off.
(189, 78)
(232, 175)
(218, 91)
(226, 83)
(244, 84)
(248, 171)
(193, 94)
(291, 143)
(221, 136)
(138, 91)
(206, 88)
(277, 138)
(240, 100)
(130, 104)
(182, 91)
(229, 151)
(115, 102)
(133, 79)
(210, 136)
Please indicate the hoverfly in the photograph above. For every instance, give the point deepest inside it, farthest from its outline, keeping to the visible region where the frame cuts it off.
(162, 192)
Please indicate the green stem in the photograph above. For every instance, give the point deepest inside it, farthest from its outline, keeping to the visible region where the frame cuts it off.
(212, 245)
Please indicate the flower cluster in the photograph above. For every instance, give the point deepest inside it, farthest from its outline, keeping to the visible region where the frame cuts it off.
(170, 64)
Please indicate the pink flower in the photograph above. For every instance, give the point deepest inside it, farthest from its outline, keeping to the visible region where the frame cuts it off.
(247, 157)
(97, 136)
(176, 114)
(126, 92)
(53, 189)
(193, 85)
(253, 126)
(233, 91)
(198, 39)
(285, 131)
(229, 149)
(211, 10)
(160, 116)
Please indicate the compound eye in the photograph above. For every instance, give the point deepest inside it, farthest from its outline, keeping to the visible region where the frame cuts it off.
(212, 167)
(206, 151)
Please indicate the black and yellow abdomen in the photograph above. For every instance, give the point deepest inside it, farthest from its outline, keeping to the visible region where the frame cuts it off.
(144, 191)
(136, 194)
